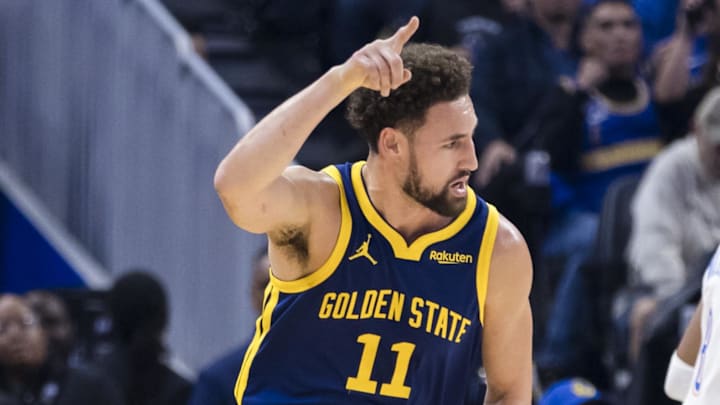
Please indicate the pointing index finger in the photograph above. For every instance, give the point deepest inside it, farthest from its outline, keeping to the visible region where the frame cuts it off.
(404, 33)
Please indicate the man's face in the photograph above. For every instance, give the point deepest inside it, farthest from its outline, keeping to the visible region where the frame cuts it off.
(53, 318)
(441, 157)
(612, 34)
(515, 6)
(22, 341)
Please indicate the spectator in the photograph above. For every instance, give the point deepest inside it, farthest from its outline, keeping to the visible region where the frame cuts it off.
(686, 66)
(676, 221)
(216, 383)
(56, 322)
(598, 127)
(513, 72)
(27, 374)
(138, 304)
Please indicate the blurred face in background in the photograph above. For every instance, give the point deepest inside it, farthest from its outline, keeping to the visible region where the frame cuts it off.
(612, 35)
(556, 11)
(22, 341)
(516, 6)
(54, 319)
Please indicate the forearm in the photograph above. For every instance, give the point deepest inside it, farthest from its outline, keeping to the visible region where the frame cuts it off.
(264, 152)
(673, 76)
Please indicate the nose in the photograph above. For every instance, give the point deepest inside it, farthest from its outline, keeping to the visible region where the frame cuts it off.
(470, 160)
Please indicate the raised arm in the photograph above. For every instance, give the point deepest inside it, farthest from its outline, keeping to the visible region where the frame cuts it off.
(507, 331)
(671, 59)
(257, 189)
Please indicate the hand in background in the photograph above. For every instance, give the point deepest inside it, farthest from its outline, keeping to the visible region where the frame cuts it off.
(497, 154)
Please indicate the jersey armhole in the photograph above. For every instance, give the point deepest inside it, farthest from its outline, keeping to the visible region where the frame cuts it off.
(328, 268)
(486, 250)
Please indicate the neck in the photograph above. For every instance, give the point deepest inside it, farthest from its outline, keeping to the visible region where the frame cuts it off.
(404, 214)
(624, 72)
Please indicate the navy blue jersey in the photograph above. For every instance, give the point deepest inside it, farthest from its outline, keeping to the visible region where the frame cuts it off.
(619, 140)
(380, 322)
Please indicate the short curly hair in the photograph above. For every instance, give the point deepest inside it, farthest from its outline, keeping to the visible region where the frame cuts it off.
(438, 74)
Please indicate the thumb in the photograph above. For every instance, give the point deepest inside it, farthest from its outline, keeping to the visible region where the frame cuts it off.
(407, 75)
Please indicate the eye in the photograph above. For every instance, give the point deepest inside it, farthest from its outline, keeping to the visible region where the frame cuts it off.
(452, 144)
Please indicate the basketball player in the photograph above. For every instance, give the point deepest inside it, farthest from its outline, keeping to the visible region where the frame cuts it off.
(391, 280)
(699, 384)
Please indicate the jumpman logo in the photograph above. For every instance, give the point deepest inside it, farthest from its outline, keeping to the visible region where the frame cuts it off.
(364, 251)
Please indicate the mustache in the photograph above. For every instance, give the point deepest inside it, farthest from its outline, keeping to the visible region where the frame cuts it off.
(460, 175)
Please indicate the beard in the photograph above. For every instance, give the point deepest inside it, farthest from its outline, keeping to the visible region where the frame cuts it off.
(440, 202)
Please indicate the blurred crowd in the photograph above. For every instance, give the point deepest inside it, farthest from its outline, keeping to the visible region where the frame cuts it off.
(591, 138)
(79, 347)
(598, 136)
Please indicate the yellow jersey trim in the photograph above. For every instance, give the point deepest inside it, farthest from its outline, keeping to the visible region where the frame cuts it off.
(486, 250)
(328, 268)
(619, 154)
(262, 326)
(398, 243)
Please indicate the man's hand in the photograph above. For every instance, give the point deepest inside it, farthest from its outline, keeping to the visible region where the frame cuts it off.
(640, 314)
(692, 17)
(497, 154)
(591, 73)
(378, 65)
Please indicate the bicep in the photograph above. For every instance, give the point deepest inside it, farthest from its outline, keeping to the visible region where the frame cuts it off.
(282, 203)
(507, 353)
(507, 331)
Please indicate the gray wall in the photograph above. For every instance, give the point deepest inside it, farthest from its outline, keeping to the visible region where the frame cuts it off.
(117, 127)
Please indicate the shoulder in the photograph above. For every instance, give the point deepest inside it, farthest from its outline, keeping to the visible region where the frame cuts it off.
(316, 180)
(510, 246)
(671, 168)
(319, 193)
(678, 151)
(510, 265)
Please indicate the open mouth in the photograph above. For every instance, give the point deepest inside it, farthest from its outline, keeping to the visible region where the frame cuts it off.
(459, 187)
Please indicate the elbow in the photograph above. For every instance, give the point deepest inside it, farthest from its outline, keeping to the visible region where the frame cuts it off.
(220, 179)
(223, 183)
(227, 182)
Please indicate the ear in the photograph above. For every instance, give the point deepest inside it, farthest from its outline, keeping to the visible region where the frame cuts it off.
(390, 141)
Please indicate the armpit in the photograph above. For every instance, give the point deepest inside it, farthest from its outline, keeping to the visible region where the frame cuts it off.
(294, 243)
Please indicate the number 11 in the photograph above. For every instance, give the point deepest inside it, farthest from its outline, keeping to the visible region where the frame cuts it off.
(362, 382)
